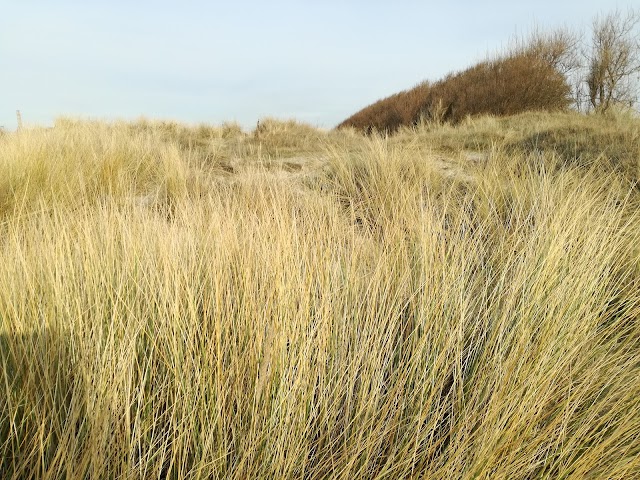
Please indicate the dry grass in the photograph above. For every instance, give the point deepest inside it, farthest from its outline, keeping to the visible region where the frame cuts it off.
(603, 143)
(371, 317)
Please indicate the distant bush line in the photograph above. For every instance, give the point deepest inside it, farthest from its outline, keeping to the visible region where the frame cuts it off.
(548, 71)
(505, 86)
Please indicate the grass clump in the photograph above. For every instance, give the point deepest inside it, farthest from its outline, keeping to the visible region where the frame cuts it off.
(76, 163)
(606, 143)
(287, 137)
(376, 317)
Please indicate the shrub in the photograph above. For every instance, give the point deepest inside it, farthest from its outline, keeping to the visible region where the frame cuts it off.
(388, 114)
(512, 84)
(501, 87)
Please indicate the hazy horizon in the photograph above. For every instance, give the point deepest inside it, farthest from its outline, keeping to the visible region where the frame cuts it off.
(315, 62)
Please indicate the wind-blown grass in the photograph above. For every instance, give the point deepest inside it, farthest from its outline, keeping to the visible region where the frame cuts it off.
(375, 318)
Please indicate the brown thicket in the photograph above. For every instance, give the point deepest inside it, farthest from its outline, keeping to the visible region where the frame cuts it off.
(502, 87)
(516, 83)
(388, 114)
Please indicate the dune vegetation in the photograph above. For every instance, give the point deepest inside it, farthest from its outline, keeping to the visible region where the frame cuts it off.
(201, 302)
(546, 70)
(514, 83)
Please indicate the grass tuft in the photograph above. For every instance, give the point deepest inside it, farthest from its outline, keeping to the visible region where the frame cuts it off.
(389, 308)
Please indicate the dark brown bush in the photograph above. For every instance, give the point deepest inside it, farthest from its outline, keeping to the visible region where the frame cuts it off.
(392, 112)
(505, 86)
(502, 87)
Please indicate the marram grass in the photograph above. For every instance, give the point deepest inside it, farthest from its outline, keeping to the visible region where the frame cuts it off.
(373, 318)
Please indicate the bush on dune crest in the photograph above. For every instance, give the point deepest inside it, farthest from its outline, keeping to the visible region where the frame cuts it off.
(516, 83)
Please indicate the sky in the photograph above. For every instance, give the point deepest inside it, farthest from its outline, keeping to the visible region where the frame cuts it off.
(208, 61)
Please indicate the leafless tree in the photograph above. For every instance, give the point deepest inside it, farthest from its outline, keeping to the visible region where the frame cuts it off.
(613, 60)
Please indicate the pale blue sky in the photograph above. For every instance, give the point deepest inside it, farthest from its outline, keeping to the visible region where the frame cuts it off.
(199, 61)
